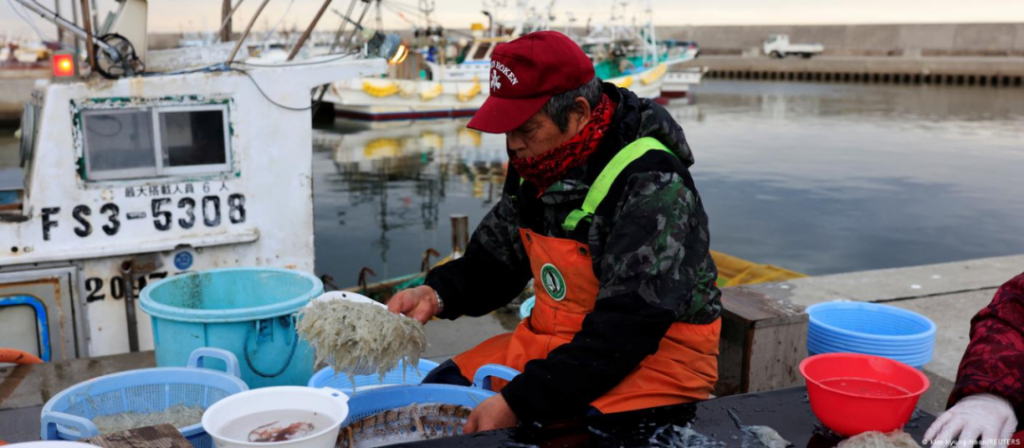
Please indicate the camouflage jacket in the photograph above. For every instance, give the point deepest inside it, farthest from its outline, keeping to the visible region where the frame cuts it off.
(649, 244)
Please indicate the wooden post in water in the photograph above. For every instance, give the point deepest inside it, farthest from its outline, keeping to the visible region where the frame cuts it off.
(460, 234)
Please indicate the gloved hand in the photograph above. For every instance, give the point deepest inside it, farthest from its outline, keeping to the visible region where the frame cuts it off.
(989, 416)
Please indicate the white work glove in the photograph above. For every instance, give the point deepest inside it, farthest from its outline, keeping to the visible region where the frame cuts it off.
(989, 416)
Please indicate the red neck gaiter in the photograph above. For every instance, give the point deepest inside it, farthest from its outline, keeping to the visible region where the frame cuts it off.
(545, 169)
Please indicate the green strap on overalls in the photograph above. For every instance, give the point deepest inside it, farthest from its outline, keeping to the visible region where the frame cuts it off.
(604, 181)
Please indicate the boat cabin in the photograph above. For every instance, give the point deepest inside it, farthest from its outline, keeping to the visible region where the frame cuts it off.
(133, 180)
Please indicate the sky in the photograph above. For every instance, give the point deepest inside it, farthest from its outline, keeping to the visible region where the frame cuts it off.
(193, 15)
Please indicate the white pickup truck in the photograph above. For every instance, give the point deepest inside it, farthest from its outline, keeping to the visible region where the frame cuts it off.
(778, 46)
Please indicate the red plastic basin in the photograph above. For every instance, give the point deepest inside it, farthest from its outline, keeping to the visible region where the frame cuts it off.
(853, 393)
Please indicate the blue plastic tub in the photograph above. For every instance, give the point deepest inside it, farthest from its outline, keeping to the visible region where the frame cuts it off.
(871, 329)
(374, 401)
(326, 377)
(247, 311)
(68, 415)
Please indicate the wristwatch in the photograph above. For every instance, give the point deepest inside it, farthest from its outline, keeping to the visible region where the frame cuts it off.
(440, 303)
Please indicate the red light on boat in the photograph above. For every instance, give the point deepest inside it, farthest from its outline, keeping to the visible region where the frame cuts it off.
(63, 65)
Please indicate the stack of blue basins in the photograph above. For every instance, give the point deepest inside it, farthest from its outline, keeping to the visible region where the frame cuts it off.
(871, 329)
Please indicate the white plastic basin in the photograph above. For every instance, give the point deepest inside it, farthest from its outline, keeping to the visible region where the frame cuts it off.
(327, 402)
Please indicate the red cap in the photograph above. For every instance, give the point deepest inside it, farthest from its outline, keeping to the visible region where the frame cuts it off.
(525, 73)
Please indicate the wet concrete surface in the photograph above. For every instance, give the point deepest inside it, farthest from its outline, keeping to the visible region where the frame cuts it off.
(786, 411)
(25, 389)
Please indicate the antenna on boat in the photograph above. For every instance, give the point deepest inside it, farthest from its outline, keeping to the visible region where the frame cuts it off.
(112, 53)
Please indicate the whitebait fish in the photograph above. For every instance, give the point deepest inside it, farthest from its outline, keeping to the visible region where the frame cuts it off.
(177, 416)
(407, 424)
(354, 338)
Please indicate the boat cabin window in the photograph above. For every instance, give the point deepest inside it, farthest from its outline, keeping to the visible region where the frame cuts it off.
(136, 143)
(119, 144)
(481, 51)
(193, 141)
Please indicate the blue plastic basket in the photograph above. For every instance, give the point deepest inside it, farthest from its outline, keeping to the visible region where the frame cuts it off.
(872, 329)
(68, 415)
(374, 401)
(326, 377)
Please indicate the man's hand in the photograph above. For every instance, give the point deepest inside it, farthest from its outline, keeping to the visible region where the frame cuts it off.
(988, 416)
(419, 303)
(493, 413)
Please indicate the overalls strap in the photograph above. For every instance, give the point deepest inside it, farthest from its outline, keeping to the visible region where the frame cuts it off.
(604, 181)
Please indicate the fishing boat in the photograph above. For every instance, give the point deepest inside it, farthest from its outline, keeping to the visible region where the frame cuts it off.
(430, 84)
(678, 82)
(445, 90)
(136, 178)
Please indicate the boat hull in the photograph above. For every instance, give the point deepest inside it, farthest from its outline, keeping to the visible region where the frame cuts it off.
(374, 99)
(677, 84)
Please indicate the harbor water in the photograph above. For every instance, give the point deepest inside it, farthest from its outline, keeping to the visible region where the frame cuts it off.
(817, 178)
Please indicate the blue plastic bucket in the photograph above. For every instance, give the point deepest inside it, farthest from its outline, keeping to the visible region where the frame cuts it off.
(68, 415)
(871, 329)
(326, 377)
(247, 311)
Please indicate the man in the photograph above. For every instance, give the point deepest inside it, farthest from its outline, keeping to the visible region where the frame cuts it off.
(988, 398)
(599, 209)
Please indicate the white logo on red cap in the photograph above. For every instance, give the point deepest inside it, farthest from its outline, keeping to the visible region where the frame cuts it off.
(496, 81)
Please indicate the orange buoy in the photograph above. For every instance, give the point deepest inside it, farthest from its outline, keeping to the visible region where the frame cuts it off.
(18, 357)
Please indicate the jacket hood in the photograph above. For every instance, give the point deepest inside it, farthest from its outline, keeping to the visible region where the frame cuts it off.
(638, 117)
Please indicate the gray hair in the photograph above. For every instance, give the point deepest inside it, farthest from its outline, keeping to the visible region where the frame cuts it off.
(560, 105)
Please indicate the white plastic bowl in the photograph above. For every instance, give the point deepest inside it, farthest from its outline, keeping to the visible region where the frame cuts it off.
(328, 402)
(363, 369)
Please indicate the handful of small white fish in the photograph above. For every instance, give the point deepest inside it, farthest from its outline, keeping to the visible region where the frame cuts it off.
(352, 336)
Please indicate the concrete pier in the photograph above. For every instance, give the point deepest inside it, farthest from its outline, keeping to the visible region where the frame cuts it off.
(949, 294)
(960, 71)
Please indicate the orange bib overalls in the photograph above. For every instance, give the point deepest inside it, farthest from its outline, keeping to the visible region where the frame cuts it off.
(685, 367)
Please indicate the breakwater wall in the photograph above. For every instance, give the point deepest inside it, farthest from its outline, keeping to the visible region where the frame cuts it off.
(928, 40)
(959, 71)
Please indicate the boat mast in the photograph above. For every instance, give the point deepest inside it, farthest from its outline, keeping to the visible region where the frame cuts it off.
(245, 34)
(652, 45)
(84, 32)
(309, 29)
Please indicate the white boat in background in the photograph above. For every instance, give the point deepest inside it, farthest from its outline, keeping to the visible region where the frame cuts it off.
(678, 82)
(425, 86)
(379, 99)
(453, 91)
